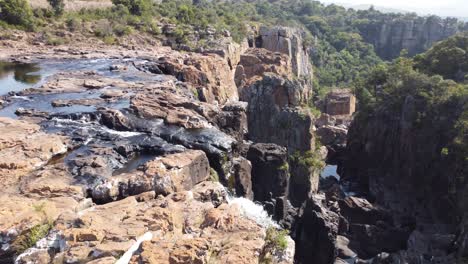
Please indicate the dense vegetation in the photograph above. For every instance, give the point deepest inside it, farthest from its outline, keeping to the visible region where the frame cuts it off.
(440, 105)
(448, 58)
(335, 36)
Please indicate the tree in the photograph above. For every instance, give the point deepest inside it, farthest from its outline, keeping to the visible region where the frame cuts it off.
(136, 7)
(17, 12)
(58, 6)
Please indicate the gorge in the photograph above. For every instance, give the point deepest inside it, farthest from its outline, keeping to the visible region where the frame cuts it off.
(215, 145)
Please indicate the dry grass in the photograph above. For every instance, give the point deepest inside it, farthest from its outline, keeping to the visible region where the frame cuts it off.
(74, 5)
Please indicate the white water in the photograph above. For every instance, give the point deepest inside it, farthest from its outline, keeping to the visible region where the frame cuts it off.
(253, 211)
(96, 127)
(125, 259)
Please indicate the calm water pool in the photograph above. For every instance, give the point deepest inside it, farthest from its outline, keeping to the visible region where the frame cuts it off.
(15, 77)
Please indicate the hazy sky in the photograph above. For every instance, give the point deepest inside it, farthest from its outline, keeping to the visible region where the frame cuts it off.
(439, 7)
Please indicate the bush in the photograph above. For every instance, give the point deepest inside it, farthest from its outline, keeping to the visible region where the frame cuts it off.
(275, 241)
(136, 7)
(17, 12)
(29, 238)
(58, 6)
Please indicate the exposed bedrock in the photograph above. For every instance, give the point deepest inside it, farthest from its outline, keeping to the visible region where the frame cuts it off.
(399, 161)
(412, 34)
(288, 41)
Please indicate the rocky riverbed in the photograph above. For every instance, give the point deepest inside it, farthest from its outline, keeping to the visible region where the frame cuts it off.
(151, 155)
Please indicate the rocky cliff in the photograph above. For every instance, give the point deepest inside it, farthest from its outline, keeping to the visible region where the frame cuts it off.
(414, 34)
(398, 158)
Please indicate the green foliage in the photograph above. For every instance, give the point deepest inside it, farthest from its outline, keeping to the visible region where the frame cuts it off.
(275, 241)
(17, 12)
(448, 58)
(284, 167)
(29, 238)
(58, 6)
(214, 177)
(308, 159)
(136, 7)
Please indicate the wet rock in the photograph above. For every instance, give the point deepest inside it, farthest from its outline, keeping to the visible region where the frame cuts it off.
(242, 173)
(270, 172)
(31, 113)
(84, 101)
(118, 67)
(114, 119)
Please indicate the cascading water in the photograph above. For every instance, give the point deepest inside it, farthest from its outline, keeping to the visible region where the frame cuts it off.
(253, 211)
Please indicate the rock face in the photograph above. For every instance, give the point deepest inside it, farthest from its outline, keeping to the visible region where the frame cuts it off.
(415, 34)
(317, 232)
(340, 102)
(270, 172)
(289, 41)
(274, 105)
(400, 163)
(210, 75)
(98, 166)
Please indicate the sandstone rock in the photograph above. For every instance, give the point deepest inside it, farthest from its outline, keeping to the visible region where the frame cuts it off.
(340, 102)
(24, 148)
(210, 74)
(164, 175)
(415, 35)
(288, 41)
(173, 109)
(254, 63)
(114, 119)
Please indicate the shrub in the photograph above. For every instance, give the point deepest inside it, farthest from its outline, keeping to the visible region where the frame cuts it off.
(136, 7)
(17, 12)
(29, 238)
(275, 241)
(58, 6)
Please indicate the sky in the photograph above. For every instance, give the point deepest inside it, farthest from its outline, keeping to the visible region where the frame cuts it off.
(458, 8)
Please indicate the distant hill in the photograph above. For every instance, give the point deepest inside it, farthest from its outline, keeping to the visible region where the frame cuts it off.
(382, 9)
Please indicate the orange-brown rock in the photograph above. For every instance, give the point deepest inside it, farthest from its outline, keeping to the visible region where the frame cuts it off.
(164, 175)
(24, 148)
(255, 62)
(210, 75)
(340, 102)
(173, 108)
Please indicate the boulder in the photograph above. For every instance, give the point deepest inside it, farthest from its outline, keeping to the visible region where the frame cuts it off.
(317, 231)
(164, 175)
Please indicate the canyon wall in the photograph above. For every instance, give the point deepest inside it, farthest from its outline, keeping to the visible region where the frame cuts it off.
(414, 34)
